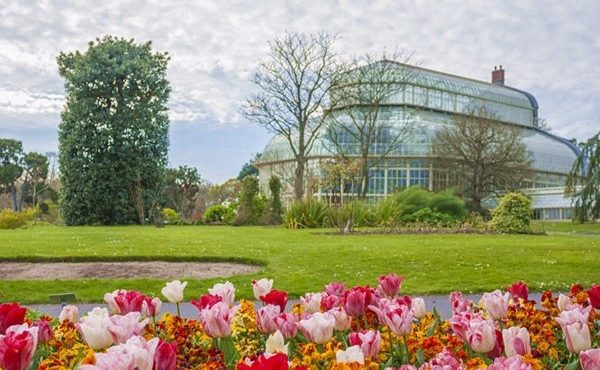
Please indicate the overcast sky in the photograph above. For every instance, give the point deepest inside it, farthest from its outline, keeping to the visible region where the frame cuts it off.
(551, 49)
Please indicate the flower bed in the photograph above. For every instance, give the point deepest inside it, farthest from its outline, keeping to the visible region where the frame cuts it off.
(339, 328)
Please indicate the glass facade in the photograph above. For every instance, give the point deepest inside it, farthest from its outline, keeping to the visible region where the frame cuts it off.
(425, 103)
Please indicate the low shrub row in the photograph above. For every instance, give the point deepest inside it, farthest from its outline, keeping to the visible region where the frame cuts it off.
(413, 206)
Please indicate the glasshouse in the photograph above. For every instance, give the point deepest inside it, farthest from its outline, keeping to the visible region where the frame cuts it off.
(427, 101)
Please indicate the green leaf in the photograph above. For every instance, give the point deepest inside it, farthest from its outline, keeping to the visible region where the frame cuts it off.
(231, 354)
(420, 356)
(431, 328)
(573, 365)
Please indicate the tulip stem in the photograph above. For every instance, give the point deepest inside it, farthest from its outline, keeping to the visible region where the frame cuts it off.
(407, 360)
(178, 312)
(391, 343)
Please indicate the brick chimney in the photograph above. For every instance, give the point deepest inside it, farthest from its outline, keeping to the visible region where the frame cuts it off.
(498, 76)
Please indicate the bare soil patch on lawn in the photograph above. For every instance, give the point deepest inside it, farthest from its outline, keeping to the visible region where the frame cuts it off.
(121, 270)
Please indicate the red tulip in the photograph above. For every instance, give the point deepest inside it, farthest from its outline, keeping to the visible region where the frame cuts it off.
(519, 290)
(277, 298)
(16, 350)
(594, 295)
(45, 332)
(575, 289)
(278, 361)
(11, 314)
(207, 301)
(165, 356)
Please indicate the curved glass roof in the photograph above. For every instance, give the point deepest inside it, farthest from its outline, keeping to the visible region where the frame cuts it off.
(549, 153)
(437, 96)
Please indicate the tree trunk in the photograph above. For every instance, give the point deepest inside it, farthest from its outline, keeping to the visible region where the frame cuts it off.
(299, 179)
(137, 193)
(364, 181)
(13, 198)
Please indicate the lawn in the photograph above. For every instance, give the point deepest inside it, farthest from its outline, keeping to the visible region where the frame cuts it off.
(304, 260)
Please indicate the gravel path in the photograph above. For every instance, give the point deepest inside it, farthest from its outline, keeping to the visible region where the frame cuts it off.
(121, 270)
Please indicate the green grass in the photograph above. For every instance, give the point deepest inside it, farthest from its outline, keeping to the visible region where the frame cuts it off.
(590, 228)
(303, 260)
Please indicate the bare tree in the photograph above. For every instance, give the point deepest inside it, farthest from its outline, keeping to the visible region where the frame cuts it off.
(482, 155)
(294, 92)
(358, 126)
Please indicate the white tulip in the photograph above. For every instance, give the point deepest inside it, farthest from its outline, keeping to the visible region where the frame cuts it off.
(173, 291)
(70, 313)
(276, 344)
(261, 287)
(311, 302)
(350, 355)
(418, 307)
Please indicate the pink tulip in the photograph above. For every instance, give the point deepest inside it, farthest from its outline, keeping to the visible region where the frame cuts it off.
(109, 298)
(459, 303)
(516, 341)
(165, 356)
(123, 327)
(311, 302)
(577, 336)
(136, 348)
(564, 302)
(514, 362)
(445, 361)
(368, 341)
(343, 321)
(16, 350)
(129, 301)
(224, 290)
(111, 361)
(481, 335)
(390, 284)
(151, 306)
(45, 332)
(399, 319)
(265, 318)
(574, 324)
(217, 320)
(286, 324)
(590, 359)
(336, 289)
(382, 307)
(329, 301)
(460, 323)
(206, 301)
(357, 299)
(318, 328)
(496, 304)
(261, 287)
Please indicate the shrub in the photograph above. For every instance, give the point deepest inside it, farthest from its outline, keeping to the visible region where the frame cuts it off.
(215, 213)
(448, 203)
(355, 213)
(429, 217)
(309, 213)
(386, 213)
(14, 220)
(411, 200)
(250, 207)
(513, 214)
(272, 214)
(171, 216)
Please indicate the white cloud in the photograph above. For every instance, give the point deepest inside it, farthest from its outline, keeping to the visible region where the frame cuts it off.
(550, 49)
